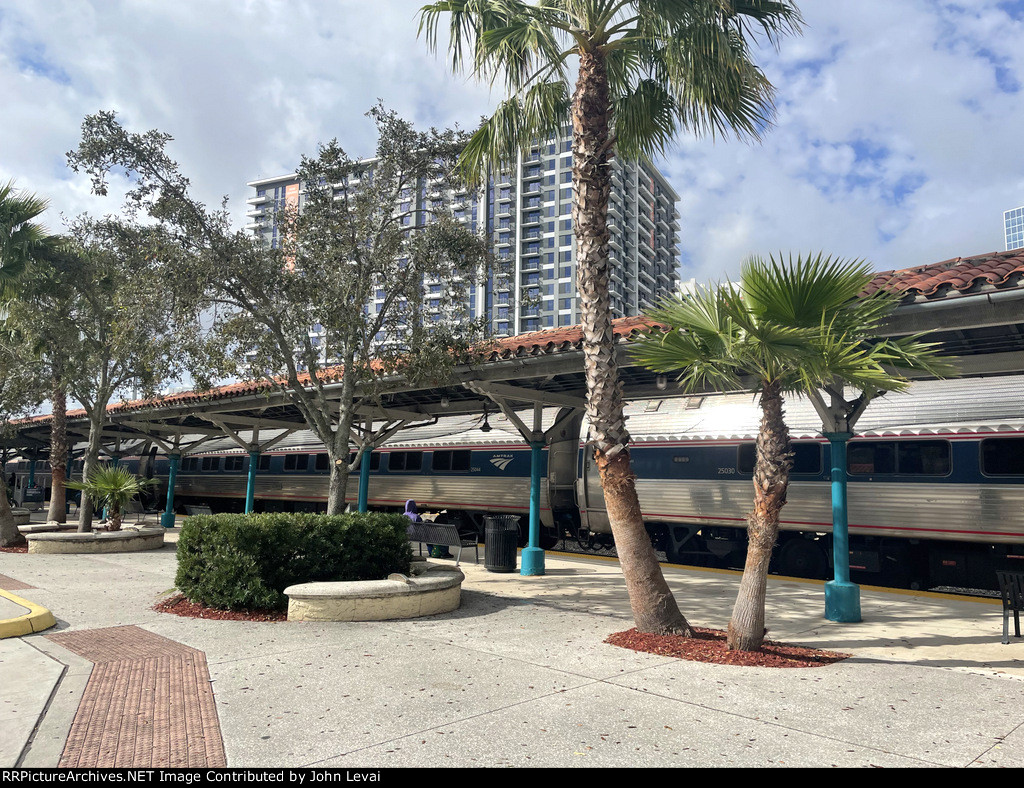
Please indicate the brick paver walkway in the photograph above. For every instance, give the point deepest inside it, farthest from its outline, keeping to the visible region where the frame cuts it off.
(148, 703)
(10, 584)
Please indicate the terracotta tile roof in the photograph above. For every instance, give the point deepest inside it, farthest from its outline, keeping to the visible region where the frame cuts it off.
(956, 276)
(535, 343)
(959, 275)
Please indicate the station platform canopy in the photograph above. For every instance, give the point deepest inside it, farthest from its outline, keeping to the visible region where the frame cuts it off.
(973, 307)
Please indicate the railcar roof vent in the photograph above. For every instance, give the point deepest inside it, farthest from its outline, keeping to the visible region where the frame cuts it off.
(652, 405)
(692, 403)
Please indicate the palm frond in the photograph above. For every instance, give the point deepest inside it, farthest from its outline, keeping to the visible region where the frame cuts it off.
(514, 126)
(644, 120)
(801, 291)
(794, 322)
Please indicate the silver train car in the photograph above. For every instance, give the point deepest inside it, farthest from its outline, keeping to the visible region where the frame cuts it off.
(936, 480)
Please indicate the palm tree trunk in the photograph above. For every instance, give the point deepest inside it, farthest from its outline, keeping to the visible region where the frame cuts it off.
(771, 479)
(654, 607)
(58, 454)
(85, 511)
(10, 536)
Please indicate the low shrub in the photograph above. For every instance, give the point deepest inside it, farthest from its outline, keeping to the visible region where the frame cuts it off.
(245, 561)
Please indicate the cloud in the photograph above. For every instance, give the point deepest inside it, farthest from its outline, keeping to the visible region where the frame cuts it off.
(897, 135)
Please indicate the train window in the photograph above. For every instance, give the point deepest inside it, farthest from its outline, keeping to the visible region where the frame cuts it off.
(233, 463)
(1002, 456)
(909, 458)
(374, 461)
(923, 458)
(189, 464)
(323, 462)
(264, 462)
(405, 461)
(210, 464)
(296, 462)
(806, 457)
(871, 457)
(451, 460)
(746, 456)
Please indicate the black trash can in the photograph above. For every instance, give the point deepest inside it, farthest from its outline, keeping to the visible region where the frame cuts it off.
(501, 538)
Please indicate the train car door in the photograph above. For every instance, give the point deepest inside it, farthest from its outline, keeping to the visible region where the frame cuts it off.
(593, 512)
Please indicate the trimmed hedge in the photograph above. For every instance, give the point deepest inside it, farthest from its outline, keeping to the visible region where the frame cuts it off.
(245, 561)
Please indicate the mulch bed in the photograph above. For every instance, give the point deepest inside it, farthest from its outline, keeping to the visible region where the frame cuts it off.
(178, 605)
(20, 549)
(708, 645)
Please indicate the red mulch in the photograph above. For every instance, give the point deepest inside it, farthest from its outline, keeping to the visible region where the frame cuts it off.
(708, 645)
(19, 549)
(180, 606)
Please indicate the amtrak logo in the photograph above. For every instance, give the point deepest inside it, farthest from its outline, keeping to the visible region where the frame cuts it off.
(501, 463)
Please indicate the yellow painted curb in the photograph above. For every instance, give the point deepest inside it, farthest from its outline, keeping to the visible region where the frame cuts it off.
(36, 619)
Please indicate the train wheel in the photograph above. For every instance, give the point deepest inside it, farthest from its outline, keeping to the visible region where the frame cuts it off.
(803, 558)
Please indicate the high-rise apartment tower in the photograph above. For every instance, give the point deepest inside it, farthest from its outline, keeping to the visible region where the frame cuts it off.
(1013, 225)
(527, 214)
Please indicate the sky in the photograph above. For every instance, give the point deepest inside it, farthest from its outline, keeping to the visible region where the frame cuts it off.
(898, 136)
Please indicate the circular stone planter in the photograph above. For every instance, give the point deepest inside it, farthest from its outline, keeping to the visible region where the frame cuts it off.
(21, 516)
(126, 541)
(429, 590)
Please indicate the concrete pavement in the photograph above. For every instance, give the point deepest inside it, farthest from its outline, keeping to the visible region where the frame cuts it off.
(520, 676)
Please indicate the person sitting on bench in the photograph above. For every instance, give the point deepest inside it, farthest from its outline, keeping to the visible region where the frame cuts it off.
(433, 550)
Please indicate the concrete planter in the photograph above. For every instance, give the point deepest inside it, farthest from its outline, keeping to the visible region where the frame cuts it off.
(126, 541)
(429, 590)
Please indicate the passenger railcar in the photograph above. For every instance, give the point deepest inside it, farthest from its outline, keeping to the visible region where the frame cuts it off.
(936, 480)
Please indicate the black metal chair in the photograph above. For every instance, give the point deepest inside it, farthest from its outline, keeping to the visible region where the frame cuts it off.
(1011, 586)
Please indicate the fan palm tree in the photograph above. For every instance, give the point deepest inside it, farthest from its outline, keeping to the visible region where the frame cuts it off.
(795, 326)
(20, 239)
(112, 487)
(645, 70)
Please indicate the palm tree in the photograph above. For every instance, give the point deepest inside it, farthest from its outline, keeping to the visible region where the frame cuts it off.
(792, 327)
(645, 70)
(20, 239)
(112, 487)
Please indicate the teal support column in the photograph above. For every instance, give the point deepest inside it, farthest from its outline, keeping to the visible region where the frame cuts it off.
(364, 480)
(533, 556)
(842, 598)
(167, 518)
(250, 484)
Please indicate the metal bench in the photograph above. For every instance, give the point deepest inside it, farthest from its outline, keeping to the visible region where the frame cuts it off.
(135, 507)
(443, 534)
(1011, 586)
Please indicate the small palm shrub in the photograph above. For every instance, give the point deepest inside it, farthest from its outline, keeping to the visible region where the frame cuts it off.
(245, 561)
(113, 488)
